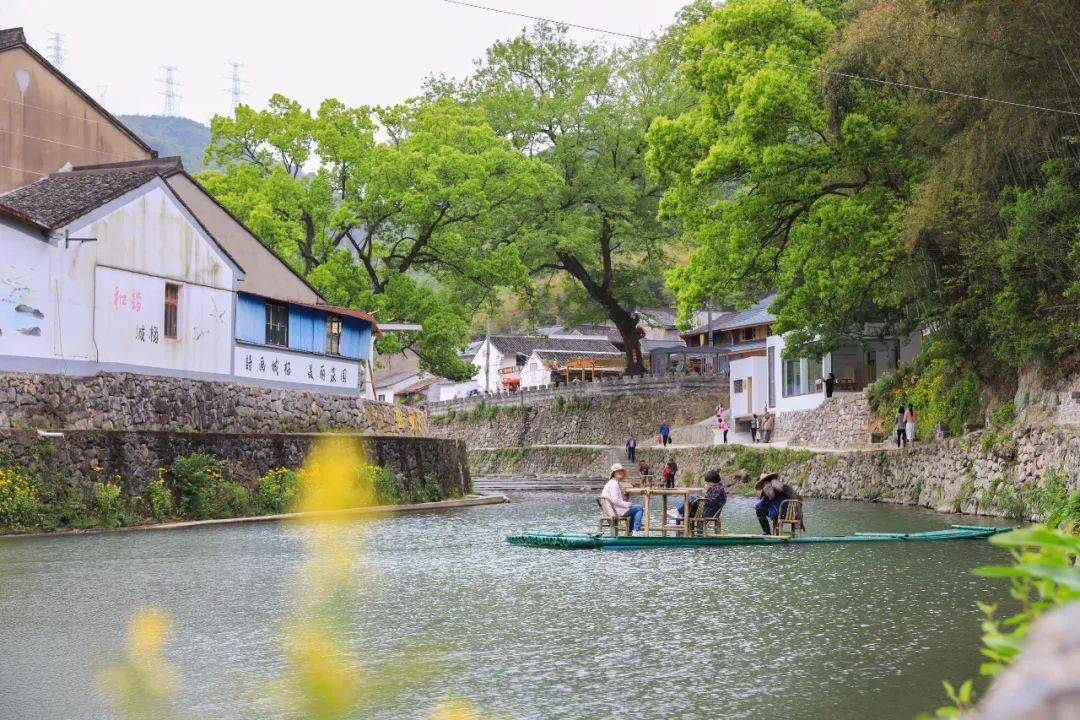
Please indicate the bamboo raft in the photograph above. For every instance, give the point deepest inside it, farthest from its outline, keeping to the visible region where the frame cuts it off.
(595, 541)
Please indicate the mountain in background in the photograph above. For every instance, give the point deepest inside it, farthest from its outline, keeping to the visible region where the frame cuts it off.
(171, 135)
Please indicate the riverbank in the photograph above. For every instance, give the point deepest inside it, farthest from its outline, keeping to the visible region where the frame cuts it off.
(368, 511)
(1015, 474)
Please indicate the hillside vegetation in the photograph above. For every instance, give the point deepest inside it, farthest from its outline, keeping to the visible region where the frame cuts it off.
(171, 135)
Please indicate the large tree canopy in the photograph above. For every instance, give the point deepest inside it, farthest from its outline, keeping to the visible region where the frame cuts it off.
(866, 205)
(410, 211)
(584, 110)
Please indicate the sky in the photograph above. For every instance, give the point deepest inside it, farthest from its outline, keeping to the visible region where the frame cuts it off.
(361, 52)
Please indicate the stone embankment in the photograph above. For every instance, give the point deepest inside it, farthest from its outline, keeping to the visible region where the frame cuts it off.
(647, 385)
(839, 422)
(607, 419)
(127, 401)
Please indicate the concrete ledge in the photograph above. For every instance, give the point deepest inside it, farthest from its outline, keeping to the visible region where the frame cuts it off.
(472, 501)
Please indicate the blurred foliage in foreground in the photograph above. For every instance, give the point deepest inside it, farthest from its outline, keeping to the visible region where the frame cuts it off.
(324, 678)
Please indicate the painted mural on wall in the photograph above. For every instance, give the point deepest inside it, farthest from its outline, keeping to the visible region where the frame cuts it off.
(26, 315)
(131, 324)
(300, 368)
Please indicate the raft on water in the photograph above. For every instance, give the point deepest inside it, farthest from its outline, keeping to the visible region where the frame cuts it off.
(596, 541)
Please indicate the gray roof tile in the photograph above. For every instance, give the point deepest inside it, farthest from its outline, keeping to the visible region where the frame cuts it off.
(524, 344)
(57, 199)
(756, 314)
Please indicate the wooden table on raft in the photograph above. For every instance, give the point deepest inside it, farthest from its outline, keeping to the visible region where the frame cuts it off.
(664, 493)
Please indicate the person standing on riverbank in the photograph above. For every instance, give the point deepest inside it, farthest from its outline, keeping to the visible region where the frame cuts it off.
(909, 425)
(724, 427)
(618, 505)
(767, 423)
(901, 428)
(830, 382)
(755, 425)
(665, 434)
(631, 449)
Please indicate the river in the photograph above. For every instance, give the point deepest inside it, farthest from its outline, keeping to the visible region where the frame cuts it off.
(811, 631)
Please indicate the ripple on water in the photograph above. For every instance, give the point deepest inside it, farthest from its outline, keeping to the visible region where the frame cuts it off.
(840, 630)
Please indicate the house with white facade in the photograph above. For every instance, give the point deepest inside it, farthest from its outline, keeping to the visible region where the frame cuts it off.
(761, 378)
(106, 268)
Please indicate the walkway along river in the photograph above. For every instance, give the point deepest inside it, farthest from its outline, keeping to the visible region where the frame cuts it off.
(837, 631)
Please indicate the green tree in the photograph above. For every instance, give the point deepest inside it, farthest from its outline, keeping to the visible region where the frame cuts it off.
(411, 211)
(775, 189)
(583, 110)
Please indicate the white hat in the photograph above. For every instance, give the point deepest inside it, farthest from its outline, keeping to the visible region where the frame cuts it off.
(616, 467)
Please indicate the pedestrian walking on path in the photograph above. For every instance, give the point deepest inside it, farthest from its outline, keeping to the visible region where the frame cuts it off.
(665, 434)
(901, 427)
(767, 422)
(909, 424)
(631, 449)
(830, 381)
(755, 425)
(724, 427)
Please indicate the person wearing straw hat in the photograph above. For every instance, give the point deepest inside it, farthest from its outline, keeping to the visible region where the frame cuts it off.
(616, 500)
(774, 492)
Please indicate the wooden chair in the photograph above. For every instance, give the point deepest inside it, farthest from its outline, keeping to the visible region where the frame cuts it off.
(701, 525)
(790, 516)
(612, 522)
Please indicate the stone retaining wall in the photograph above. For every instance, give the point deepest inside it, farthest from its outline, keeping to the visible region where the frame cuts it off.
(986, 472)
(586, 420)
(127, 401)
(648, 385)
(840, 421)
(136, 455)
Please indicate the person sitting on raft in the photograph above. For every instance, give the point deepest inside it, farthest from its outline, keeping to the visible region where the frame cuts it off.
(715, 498)
(617, 503)
(774, 492)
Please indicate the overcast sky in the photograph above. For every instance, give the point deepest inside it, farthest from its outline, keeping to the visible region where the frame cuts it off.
(361, 52)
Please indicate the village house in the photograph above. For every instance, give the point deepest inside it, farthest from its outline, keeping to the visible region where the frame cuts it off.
(761, 378)
(127, 263)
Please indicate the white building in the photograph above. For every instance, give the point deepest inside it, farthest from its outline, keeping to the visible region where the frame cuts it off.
(106, 268)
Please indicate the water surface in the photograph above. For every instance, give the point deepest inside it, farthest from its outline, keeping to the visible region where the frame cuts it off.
(810, 631)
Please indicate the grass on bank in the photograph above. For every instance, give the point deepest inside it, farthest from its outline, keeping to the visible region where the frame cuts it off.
(198, 486)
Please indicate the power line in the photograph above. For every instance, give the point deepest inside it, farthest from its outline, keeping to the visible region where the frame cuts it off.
(170, 83)
(235, 89)
(56, 49)
(779, 63)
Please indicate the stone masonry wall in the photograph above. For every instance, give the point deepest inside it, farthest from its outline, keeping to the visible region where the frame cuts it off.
(586, 420)
(82, 457)
(840, 421)
(127, 401)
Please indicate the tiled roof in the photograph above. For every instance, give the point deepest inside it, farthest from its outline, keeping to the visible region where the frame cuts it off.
(57, 199)
(525, 344)
(576, 354)
(756, 314)
(11, 36)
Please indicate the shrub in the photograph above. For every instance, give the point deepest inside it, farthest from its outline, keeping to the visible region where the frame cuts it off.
(20, 506)
(198, 478)
(110, 507)
(233, 500)
(160, 498)
(68, 509)
(277, 490)
(1005, 414)
(387, 489)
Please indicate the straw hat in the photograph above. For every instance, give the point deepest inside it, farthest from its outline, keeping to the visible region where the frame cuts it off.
(765, 477)
(617, 467)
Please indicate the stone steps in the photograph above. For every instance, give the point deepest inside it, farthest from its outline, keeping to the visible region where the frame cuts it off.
(506, 483)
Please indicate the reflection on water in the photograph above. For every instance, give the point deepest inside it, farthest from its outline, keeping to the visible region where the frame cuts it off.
(834, 631)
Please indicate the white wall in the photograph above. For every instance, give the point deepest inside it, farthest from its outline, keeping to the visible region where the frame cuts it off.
(295, 367)
(103, 300)
(536, 372)
(754, 367)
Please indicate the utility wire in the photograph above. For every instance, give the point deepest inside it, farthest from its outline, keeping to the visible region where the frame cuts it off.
(793, 66)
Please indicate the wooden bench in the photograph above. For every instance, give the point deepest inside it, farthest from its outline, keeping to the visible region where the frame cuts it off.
(610, 521)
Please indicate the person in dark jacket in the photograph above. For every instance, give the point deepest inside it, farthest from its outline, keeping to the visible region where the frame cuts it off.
(715, 498)
(665, 434)
(830, 381)
(774, 493)
(631, 449)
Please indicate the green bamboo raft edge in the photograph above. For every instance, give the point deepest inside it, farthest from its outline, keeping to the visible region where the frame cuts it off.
(576, 541)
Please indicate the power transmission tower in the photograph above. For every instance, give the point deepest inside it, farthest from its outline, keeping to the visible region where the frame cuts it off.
(171, 96)
(56, 49)
(236, 83)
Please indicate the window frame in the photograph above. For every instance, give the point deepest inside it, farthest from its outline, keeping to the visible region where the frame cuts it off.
(173, 304)
(333, 340)
(272, 329)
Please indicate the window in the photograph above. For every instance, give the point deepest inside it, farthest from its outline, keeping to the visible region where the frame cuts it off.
(792, 377)
(772, 376)
(748, 334)
(172, 311)
(277, 324)
(738, 386)
(333, 335)
(801, 376)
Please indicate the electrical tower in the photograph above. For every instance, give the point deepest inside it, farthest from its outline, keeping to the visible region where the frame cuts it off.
(171, 96)
(56, 49)
(236, 85)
